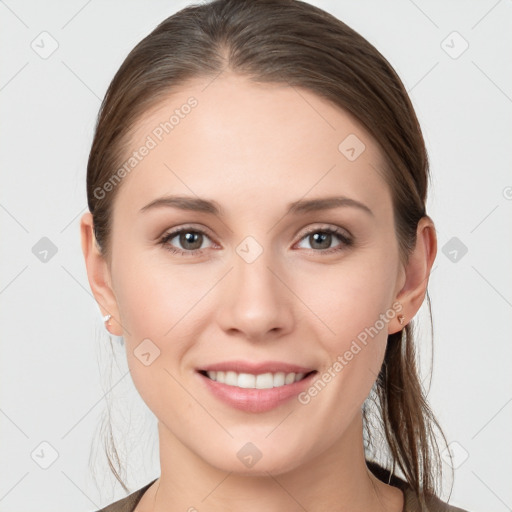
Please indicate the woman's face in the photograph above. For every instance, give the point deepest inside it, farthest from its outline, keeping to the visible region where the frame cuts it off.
(256, 282)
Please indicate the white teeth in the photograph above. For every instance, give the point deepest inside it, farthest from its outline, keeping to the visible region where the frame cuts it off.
(279, 379)
(261, 381)
(231, 378)
(289, 378)
(245, 380)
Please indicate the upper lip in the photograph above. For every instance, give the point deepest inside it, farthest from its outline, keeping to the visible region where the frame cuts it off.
(256, 368)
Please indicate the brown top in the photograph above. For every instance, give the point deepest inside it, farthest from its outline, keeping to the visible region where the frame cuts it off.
(411, 503)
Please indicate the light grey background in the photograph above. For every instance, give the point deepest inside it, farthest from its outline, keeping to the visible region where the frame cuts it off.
(55, 355)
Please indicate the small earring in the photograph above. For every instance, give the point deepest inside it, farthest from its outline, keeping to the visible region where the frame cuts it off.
(401, 319)
(107, 318)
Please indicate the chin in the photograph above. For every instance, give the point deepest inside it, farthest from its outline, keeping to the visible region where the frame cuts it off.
(260, 467)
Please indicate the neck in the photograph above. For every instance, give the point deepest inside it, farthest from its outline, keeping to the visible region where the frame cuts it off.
(336, 479)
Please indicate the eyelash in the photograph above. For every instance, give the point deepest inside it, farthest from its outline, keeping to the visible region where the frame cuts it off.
(346, 241)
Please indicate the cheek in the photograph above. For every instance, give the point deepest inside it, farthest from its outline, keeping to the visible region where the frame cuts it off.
(153, 296)
(354, 302)
(156, 307)
(352, 296)
(161, 310)
(357, 310)
(145, 310)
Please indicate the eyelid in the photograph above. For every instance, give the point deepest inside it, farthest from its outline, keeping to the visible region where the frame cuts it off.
(329, 227)
(345, 238)
(192, 227)
(203, 229)
(344, 235)
(170, 233)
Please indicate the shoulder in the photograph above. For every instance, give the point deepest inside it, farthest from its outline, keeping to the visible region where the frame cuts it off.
(434, 504)
(411, 500)
(129, 503)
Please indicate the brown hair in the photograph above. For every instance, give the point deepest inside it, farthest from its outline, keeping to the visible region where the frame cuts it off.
(289, 41)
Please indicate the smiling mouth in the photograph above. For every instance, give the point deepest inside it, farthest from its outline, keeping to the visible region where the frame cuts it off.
(266, 380)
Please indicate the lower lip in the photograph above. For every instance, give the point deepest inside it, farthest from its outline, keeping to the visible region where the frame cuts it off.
(255, 400)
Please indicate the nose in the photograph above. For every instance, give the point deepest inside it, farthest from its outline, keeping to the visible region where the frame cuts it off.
(255, 300)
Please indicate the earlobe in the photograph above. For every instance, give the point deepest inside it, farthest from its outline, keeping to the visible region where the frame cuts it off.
(417, 271)
(98, 275)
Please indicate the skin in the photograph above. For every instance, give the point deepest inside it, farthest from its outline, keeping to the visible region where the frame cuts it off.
(254, 148)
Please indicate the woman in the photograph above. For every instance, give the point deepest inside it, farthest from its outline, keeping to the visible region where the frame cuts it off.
(258, 235)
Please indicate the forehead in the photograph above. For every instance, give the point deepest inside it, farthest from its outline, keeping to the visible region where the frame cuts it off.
(234, 138)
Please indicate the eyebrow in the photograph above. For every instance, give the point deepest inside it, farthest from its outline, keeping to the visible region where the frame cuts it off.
(297, 207)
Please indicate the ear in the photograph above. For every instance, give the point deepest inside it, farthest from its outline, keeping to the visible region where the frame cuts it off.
(98, 274)
(417, 272)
